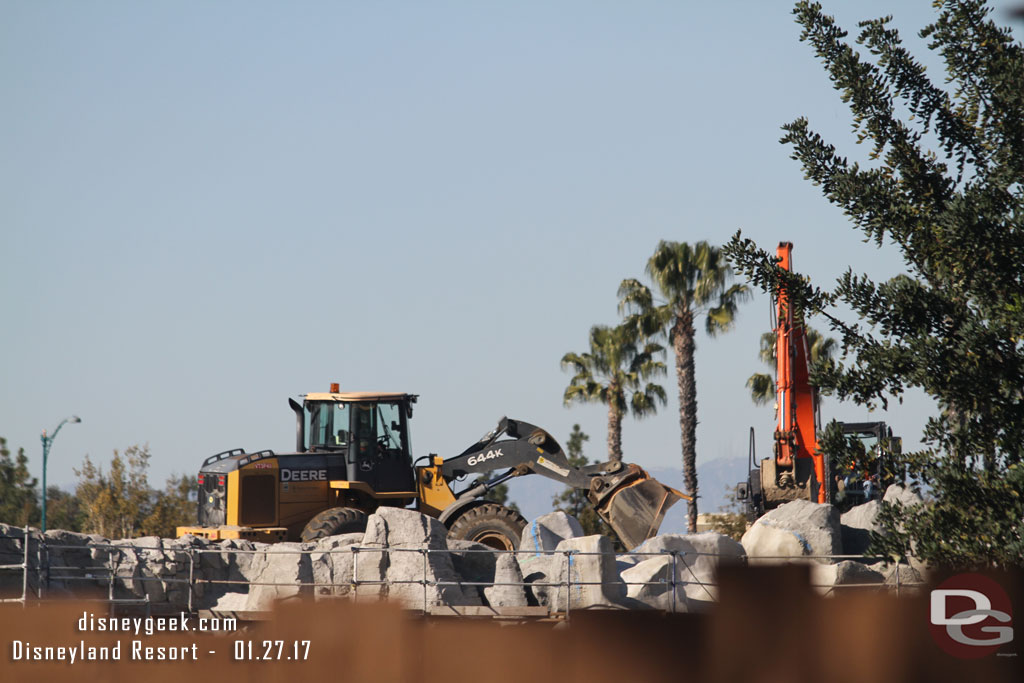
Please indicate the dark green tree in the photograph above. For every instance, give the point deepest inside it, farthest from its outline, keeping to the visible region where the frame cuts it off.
(63, 510)
(18, 494)
(173, 507)
(689, 281)
(944, 184)
(616, 372)
(573, 501)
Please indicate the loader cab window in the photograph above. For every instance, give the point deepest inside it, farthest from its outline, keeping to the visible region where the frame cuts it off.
(327, 425)
(379, 430)
(389, 428)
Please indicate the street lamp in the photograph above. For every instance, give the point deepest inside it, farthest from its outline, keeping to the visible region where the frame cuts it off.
(47, 441)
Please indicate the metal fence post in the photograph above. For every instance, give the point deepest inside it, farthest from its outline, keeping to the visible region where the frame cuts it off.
(355, 572)
(24, 568)
(43, 576)
(191, 578)
(674, 555)
(110, 585)
(568, 584)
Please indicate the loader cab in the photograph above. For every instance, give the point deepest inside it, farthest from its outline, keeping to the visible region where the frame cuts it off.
(366, 433)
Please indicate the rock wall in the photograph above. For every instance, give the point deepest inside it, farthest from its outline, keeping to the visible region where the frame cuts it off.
(406, 557)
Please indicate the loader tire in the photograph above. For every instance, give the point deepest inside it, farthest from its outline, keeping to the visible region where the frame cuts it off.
(493, 525)
(334, 521)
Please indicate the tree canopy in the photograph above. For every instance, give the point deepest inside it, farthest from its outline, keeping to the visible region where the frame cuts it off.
(18, 504)
(689, 281)
(942, 183)
(616, 371)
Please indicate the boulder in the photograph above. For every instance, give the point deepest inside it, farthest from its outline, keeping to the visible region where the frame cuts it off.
(69, 560)
(581, 573)
(904, 576)
(123, 564)
(698, 557)
(799, 528)
(332, 564)
(650, 583)
(507, 589)
(825, 577)
(413, 561)
(475, 563)
(230, 602)
(711, 551)
(547, 531)
(857, 524)
(12, 551)
(277, 572)
(900, 494)
(538, 570)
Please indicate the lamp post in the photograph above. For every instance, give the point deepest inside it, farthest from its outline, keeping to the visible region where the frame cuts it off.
(47, 441)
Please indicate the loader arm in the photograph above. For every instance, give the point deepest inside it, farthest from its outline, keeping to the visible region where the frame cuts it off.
(624, 495)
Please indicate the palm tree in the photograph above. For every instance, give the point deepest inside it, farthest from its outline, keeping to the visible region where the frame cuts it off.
(691, 281)
(821, 349)
(762, 385)
(615, 372)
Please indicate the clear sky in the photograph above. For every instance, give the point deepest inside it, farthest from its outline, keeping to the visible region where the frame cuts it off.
(207, 208)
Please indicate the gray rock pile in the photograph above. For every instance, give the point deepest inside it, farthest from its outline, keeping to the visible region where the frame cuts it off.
(804, 531)
(799, 528)
(406, 557)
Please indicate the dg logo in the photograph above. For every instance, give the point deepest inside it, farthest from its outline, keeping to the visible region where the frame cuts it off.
(970, 616)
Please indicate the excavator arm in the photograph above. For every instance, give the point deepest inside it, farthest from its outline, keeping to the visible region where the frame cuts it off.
(624, 495)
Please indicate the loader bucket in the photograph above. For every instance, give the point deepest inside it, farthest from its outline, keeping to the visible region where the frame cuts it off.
(635, 510)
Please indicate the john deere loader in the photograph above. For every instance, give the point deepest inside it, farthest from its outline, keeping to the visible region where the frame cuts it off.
(353, 454)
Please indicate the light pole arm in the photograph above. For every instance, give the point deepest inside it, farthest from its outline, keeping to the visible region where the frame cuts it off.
(47, 442)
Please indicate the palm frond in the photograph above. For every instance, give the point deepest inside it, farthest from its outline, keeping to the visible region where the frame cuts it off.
(721, 317)
(767, 351)
(762, 388)
(634, 296)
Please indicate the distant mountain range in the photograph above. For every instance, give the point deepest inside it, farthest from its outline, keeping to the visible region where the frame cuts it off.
(533, 494)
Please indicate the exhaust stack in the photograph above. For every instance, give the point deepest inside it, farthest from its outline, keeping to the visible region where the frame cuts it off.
(300, 427)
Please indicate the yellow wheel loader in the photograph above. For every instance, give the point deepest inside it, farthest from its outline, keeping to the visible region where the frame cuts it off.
(353, 455)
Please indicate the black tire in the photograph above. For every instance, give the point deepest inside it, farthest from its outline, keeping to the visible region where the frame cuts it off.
(334, 521)
(493, 525)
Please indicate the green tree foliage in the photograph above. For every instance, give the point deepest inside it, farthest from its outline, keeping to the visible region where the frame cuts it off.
(573, 501)
(762, 386)
(119, 503)
(63, 510)
(173, 507)
(18, 495)
(943, 184)
(689, 281)
(616, 372)
(115, 502)
(732, 522)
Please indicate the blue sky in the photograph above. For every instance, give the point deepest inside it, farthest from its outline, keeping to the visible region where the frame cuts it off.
(207, 208)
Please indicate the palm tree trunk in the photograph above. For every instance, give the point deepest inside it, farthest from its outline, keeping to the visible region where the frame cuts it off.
(614, 433)
(683, 334)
